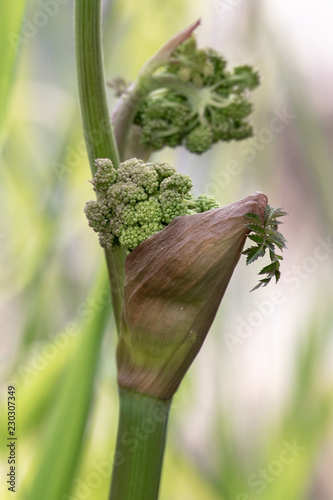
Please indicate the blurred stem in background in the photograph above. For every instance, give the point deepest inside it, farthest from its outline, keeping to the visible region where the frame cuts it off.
(72, 403)
(11, 20)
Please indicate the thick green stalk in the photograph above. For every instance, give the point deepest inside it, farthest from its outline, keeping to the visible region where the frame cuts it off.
(140, 446)
(98, 134)
(89, 57)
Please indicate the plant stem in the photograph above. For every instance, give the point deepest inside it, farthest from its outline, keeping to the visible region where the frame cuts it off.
(140, 446)
(126, 108)
(97, 129)
(98, 134)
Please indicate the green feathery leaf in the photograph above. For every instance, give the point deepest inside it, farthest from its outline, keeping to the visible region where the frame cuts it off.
(266, 236)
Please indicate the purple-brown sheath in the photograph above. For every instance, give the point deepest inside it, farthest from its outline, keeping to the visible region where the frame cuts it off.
(174, 283)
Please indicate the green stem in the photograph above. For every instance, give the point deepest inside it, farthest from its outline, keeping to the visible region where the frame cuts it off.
(115, 261)
(98, 134)
(140, 446)
(97, 129)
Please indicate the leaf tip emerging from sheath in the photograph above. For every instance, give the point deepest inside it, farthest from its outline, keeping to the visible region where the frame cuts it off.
(264, 233)
(164, 53)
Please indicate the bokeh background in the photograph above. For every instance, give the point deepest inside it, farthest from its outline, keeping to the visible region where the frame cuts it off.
(253, 419)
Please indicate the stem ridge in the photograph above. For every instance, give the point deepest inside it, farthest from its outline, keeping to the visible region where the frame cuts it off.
(140, 446)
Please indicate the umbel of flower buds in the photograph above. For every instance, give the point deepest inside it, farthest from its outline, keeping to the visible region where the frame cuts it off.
(174, 283)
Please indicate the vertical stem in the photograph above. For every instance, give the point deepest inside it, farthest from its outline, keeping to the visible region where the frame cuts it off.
(140, 446)
(115, 261)
(98, 134)
(97, 129)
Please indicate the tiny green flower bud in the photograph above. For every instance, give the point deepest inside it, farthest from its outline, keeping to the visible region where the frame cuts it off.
(174, 283)
(184, 74)
(197, 80)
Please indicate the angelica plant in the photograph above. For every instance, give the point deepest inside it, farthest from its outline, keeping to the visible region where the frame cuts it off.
(170, 255)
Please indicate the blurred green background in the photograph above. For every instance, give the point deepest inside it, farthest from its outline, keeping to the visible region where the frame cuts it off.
(253, 418)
